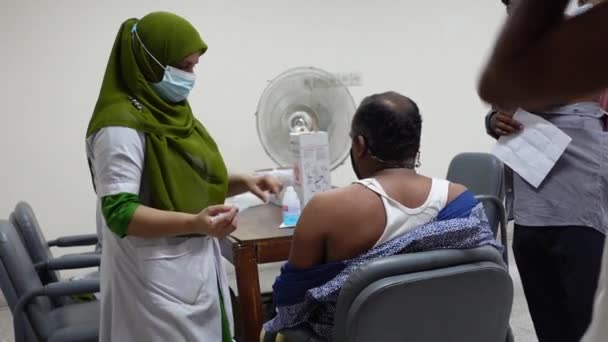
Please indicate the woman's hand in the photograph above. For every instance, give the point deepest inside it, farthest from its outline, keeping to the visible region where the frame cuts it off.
(217, 221)
(259, 185)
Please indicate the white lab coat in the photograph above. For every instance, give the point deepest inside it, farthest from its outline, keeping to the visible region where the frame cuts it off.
(152, 289)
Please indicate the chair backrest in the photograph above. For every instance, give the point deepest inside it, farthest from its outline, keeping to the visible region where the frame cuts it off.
(24, 219)
(482, 174)
(441, 295)
(22, 277)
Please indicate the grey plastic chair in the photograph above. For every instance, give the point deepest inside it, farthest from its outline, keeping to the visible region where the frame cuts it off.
(35, 316)
(443, 295)
(38, 248)
(483, 174)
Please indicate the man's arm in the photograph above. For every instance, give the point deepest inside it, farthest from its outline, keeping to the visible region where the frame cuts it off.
(541, 59)
(308, 244)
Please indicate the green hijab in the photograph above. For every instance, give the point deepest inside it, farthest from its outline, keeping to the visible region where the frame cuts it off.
(183, 169)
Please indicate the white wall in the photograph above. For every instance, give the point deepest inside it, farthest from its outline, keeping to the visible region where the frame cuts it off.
(53, 55)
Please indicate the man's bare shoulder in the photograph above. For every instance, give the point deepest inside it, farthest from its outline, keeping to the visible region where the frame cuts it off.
(341, 200)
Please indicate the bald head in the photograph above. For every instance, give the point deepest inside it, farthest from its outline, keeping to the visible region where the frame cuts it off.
(391, 125)
(392, 101)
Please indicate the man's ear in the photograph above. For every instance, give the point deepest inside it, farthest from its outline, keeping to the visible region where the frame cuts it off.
(360, 146)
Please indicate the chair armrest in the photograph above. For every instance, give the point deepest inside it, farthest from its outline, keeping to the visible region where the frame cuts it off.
(83, 253)
(74, 240)
(69, 262)
(502, 217)
(72, 287)
(75, 287)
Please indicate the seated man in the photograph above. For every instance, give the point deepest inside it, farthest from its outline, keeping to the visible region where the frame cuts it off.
(390, 210)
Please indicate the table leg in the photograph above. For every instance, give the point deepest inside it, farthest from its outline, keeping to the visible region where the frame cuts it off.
(248, 283)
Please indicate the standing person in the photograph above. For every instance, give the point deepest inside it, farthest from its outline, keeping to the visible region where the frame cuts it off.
(560, 226)
(160, 182)
(531, 68)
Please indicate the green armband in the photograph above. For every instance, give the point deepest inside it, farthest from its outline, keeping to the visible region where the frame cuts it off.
(118, 211)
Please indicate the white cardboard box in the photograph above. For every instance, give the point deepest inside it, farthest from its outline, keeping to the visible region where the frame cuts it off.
(312, 172)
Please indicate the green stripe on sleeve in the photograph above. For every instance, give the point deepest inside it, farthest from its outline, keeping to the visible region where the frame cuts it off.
(118, 211)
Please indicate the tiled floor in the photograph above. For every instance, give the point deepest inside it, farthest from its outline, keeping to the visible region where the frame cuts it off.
(520, 318)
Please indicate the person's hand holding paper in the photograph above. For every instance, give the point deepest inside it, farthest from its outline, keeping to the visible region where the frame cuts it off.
(533, 151)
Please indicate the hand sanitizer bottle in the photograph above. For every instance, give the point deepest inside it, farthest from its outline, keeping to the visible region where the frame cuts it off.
(291, 207)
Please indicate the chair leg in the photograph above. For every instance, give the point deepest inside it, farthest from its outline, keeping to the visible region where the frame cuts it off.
(510, 337)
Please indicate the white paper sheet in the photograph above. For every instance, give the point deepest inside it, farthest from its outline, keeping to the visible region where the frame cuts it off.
(533, 151)
(244, 201)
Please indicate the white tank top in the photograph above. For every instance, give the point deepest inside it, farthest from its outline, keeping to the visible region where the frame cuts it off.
(401, 219)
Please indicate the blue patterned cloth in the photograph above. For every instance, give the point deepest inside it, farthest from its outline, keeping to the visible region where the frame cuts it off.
(315, 306)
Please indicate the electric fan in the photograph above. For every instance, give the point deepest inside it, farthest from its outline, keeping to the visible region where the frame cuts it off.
(304, 99)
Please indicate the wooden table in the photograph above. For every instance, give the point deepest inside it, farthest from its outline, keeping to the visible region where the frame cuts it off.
(257, 240)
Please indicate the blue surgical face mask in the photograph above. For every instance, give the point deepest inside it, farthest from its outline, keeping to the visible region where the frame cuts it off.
(176, 84)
